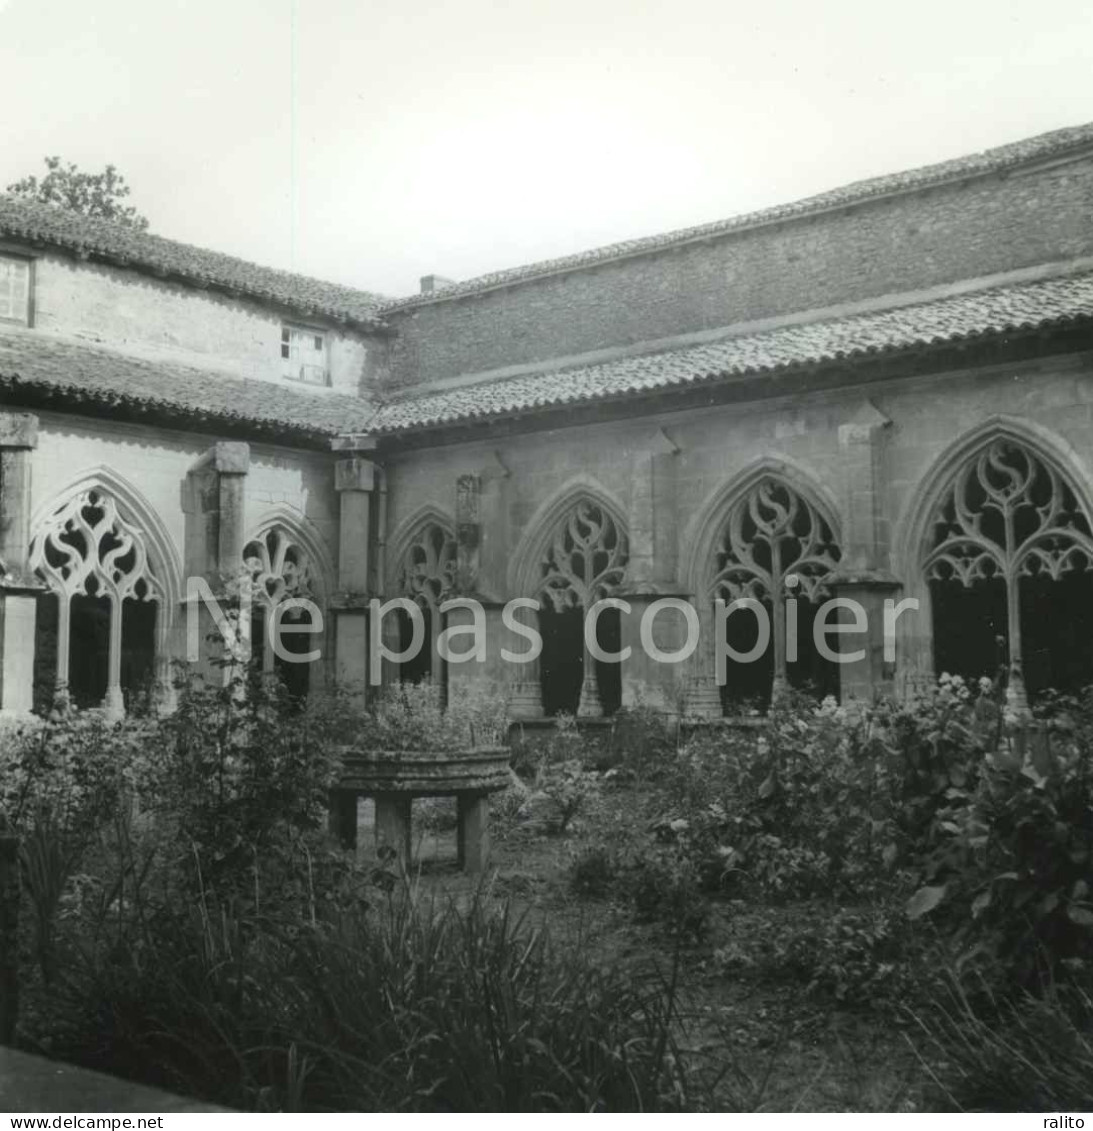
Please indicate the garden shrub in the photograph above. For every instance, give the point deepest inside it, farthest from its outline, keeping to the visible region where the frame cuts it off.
(1010, 875)
(825, 801)
(663, 887)
(859, 957)
(593, 871)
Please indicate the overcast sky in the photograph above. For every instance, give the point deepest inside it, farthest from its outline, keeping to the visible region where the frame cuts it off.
(374, 141)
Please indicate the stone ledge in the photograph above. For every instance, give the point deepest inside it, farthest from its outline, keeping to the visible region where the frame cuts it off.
(34, 1085)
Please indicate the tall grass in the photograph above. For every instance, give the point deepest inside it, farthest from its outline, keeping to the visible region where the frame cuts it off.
(410, 1005)
(985, 1053)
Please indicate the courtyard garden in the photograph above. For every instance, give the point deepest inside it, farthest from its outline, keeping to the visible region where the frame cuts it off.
(883, 908)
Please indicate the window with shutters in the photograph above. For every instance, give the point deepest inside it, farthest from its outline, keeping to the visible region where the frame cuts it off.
(15, 275)
(304, 355)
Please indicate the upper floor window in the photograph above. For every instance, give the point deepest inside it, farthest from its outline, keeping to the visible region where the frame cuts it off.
(14, 289)
(303, 355)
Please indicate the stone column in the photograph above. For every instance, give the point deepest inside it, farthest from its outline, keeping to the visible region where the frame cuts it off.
(354, 479)
(659, 684)
(702, 698)
(483, 545)
(651, 576)
(526, 697)
(393, 825)
(864, 574)
(19, 588)
(214, 505)
(473, 831)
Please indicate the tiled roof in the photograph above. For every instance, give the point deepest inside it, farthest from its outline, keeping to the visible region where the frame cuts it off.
(38, 369)
(998, 160)
(99, 239)
(950, 319)
(33, 367)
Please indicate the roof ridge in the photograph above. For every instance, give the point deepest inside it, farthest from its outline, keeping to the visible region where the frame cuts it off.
(39, 222)
(982, 163)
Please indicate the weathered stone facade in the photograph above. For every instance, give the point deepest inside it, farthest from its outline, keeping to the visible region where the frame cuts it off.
(573, 432)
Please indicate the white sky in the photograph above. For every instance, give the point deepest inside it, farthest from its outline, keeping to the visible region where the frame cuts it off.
(374, 141)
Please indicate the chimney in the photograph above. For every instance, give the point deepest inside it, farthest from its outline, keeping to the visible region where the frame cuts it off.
(431, 283)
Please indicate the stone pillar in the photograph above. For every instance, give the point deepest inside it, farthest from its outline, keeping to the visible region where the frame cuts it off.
(473, 831)
(19, 588)
(214, 505)
(651, 576)
(491, 675)
(342, 817)
(393, 825)
(702, 698)
(648, 681)
(526, 697)
(864, 574)
(354, 479)
(481, 516)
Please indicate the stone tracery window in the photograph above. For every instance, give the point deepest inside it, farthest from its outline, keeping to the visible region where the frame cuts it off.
(584, 561)
(773, 547)
(428, 575)
(1008, 559)
(280, 569)
(101, 620)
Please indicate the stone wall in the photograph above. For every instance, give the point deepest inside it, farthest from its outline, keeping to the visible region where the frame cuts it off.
(886, 246)
(134, 313)
(151, 466)
(1048, 401)
(155, 462)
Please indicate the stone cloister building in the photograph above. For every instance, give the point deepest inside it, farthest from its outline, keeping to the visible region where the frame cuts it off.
(880, 393)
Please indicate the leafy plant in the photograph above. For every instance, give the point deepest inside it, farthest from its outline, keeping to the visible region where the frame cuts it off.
(1011, 873)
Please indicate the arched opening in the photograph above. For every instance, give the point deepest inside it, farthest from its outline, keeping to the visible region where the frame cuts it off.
(97, 627)
(584, 562)
(427, 576)
(1009, 562)
(285, 595)
(775, 548)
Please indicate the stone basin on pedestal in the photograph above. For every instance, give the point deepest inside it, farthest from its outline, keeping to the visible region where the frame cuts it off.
(395, 778)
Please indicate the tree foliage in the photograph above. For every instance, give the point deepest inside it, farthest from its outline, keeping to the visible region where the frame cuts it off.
(98, 195)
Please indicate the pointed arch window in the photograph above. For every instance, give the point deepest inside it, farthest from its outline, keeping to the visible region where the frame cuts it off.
(280, 569)
(428, 576)
(584, 561)
(775, 546)
(1008, 560)
(98, 625)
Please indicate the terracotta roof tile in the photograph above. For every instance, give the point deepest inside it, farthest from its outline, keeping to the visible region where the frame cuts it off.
(997, 160)
(995, 311)
(69, 374)
(72, 374)
(100, 239)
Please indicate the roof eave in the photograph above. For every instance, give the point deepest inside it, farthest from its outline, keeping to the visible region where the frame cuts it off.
(947, 348)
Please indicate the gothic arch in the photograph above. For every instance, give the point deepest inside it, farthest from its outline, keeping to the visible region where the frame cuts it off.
(413, 528)
(524, 574)
(135, 510)
(704, 529)
(945, 534)
(99, 540)
(1046, 444)
(297, 529)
